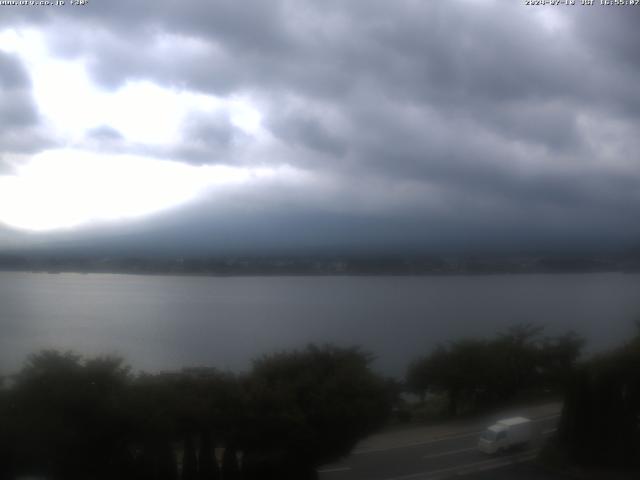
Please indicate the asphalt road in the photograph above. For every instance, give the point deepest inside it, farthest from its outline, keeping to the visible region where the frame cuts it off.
(436, 453)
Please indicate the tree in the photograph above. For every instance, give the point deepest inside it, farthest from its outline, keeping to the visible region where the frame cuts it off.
(557, 359)
(230, 467)
(517, 358)
(186, 406)
(208, 464)
(460, 370)
(600, 423)
(419, 377)
(6, 435)
(476, 373)
(69, 415)
(310, 407)
(189, 460)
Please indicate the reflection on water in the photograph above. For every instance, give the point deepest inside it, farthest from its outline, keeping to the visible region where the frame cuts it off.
(163, 322)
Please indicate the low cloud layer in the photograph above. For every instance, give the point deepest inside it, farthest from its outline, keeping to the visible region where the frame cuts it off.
(18, 111)
(470, 122)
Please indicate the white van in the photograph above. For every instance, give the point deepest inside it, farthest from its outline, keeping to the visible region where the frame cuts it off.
(506, 434)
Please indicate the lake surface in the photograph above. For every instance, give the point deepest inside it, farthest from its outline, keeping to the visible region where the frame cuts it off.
(165, 322)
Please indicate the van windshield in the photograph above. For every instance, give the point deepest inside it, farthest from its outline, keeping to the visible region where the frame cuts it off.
(488, 435)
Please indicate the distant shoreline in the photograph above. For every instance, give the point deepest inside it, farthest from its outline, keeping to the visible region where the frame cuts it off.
(319, 275)
(390, 265)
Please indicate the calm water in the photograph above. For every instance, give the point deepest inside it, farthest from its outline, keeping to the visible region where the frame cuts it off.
(161, 322)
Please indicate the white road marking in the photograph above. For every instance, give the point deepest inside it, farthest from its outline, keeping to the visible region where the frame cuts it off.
(461, 450)
(416, 444)
(466, 469)
(521, 459)
(451, 452)
(333, 470)
(545, 417)
(439, 439)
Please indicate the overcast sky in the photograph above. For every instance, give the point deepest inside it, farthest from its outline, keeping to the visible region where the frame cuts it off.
(320, 124)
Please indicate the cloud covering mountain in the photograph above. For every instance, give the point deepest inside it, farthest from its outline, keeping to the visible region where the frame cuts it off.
(309, 124)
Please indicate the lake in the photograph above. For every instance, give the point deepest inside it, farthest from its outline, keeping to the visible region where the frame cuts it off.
(166, 322)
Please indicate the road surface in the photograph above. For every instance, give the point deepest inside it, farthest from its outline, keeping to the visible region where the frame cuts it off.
(431, 453)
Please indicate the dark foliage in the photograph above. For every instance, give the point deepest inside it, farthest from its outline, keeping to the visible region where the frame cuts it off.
(477, 373)
(600, 422)
(66, 418)
(312, 406)
(208, 465)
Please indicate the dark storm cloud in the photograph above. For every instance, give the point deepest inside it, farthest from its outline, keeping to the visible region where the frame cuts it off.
(302, 128)
(213, 129)
(104, 132)
(12, 73)
(204, 139)
(207, 139)
(105, 139)
(497, 117)
(16, 106)
(18, 112)
(612, 35)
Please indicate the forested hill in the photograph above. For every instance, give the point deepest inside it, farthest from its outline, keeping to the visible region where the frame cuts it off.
(351, 265)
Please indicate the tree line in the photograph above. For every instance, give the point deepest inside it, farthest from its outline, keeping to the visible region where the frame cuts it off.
(479, 373)
(600, 423)
(66, 417)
